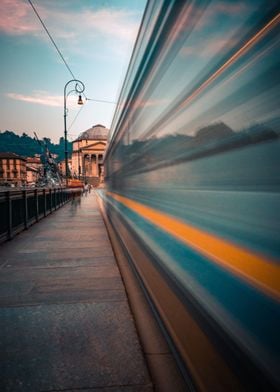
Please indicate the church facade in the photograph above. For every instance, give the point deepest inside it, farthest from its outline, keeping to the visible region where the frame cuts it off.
(88, 155)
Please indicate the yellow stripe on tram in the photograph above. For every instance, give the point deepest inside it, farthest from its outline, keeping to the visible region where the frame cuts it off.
(257, 270)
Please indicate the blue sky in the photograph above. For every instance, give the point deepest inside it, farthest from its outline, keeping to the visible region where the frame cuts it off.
(95, 37)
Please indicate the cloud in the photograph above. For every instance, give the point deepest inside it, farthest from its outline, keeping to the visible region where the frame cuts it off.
(18, 18)
(38, 98)
(43, 98)
(114, 23)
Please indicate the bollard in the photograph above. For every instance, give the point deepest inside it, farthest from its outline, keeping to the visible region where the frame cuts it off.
(10, 216)
(50, 193)
(54, 198)
(24, 193)
(45, 202)
(36, 205)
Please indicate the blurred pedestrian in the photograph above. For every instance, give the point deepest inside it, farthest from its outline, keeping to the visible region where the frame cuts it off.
(86, 188)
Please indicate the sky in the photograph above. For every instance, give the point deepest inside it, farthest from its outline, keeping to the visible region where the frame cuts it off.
(96, 39)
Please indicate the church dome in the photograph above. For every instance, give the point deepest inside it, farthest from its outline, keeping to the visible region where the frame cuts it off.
(97, 132)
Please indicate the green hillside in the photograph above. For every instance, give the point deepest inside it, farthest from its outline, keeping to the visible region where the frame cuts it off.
(27, 146)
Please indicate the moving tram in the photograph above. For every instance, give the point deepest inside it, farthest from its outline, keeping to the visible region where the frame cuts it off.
(192, 185)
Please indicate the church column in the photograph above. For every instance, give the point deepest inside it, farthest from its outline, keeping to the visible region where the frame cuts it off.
(84, 166)
(100, 165)
(89, 165)
(94, 165)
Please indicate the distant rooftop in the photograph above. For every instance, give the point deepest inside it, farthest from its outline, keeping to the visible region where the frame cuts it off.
(10, 155)
(97, 132)
(33, 160)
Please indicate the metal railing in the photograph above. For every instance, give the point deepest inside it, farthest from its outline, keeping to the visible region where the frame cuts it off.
(19, 209)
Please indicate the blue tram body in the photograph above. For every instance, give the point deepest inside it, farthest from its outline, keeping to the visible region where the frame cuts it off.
(192, 184)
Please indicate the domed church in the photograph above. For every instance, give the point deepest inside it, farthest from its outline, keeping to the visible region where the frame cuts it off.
(88, 153)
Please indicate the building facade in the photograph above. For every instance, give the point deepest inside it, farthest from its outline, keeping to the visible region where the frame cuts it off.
(12, 169)
(62, 167)
(88, 154)
(34, 169)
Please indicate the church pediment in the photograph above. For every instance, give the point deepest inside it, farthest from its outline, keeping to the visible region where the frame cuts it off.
(94, 146)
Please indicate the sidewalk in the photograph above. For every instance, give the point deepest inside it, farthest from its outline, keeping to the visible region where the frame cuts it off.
(64, 316)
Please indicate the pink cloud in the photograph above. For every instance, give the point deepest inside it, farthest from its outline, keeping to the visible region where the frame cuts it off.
(38, 97)
(16, 18)
(43, 98)
(116, 23)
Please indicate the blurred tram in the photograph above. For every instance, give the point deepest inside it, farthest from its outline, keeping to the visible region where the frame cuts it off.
(193, 180)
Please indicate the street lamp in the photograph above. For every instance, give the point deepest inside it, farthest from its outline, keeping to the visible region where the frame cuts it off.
(79, 89)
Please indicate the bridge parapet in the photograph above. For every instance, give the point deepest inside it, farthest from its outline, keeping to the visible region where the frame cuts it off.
(19, 209)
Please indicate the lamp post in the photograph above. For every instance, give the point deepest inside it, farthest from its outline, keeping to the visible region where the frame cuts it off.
(79, 163)
(79, 89)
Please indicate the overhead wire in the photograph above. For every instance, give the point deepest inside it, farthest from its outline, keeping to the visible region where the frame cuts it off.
(52, 40)
(89, 99)
(100, 100)
(75, 118)
(59, 52)
(65, 62)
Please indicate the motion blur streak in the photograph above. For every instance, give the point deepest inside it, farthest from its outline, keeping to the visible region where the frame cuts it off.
(192, 184)
(235, 57)
(254, 268)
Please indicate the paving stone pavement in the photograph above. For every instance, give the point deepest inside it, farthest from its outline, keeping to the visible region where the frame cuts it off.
(64, 317)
